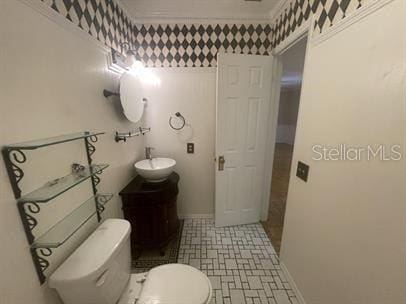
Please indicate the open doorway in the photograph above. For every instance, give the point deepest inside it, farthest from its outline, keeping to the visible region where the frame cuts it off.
(292, 71)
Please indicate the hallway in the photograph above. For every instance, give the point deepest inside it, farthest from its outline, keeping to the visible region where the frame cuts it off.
(279, 191)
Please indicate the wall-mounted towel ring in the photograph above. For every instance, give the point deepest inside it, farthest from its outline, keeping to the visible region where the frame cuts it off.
(180, 116)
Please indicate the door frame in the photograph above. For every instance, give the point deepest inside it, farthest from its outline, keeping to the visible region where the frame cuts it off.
(304, 30)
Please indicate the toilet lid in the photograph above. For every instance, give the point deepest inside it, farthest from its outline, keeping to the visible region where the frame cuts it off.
(175, 284)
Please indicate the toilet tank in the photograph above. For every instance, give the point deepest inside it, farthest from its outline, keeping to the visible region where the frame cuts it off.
(98, 271)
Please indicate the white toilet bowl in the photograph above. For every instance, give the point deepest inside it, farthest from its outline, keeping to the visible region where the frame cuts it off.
(99, 272)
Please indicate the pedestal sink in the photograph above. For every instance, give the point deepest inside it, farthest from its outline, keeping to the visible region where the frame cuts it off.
(155, 170)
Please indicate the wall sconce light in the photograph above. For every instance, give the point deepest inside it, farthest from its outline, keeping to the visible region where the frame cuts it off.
(126, 61)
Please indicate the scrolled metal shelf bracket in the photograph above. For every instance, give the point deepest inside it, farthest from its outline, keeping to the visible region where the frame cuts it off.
(27, 209)
(101, 200)
(13, 158)
(39, 256)
(90, 150)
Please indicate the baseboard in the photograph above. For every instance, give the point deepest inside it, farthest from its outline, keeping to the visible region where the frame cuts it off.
(197, 216)
(292, 283)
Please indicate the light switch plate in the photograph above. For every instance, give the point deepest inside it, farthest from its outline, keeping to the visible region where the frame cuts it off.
(302, 171)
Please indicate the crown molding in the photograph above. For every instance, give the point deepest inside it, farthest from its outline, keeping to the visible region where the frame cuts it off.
(174, 18)
(159, 19)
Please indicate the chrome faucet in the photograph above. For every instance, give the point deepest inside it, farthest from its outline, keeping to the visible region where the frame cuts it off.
(148, 154)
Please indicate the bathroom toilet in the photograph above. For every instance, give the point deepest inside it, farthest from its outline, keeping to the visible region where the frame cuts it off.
(99, 272)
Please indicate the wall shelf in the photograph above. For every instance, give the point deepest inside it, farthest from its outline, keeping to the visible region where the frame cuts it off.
(40, 143)
(55, 188)
(64, 229)
(29, 205)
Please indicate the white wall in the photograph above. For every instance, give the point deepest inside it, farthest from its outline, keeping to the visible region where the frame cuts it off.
(287, 115)
(344, 239)
(192, 92)
(51, 83)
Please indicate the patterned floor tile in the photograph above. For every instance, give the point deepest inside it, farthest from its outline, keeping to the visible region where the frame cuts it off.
(240, 262)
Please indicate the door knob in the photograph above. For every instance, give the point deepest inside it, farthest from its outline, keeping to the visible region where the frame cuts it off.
(221, 163)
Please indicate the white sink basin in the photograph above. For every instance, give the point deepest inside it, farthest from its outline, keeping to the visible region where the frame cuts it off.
(155, 170)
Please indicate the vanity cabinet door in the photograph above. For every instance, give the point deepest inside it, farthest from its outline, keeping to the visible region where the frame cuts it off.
(142, 221)
(152, 211)
(173, 220)
(163, 231)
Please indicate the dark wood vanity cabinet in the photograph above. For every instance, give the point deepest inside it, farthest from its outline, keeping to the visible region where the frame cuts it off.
(151, 209)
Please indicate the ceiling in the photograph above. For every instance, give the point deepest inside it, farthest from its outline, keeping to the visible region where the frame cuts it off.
(293, 64)
(156, 10)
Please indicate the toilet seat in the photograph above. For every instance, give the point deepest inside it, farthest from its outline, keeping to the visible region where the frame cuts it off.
(175, 284)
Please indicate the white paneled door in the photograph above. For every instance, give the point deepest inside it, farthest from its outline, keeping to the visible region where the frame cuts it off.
(243, 103)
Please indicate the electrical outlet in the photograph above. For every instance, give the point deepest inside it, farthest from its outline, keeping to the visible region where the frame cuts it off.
(190, 148)
(302, 171)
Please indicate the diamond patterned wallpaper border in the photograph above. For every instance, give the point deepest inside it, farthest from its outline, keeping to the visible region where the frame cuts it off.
(327, 12)
(196, 45)
(164, 45)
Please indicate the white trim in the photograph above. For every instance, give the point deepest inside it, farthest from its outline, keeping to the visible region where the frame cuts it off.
(160, 18)
(275, 12)
(292, 283)
(140, 20)
(284, 269)
(276, 84)
(299, 33)
(54, 16)
(354, 17)
(304, 30)
(197, 216)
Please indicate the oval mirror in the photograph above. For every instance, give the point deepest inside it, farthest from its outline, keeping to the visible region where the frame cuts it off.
(131, 96)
